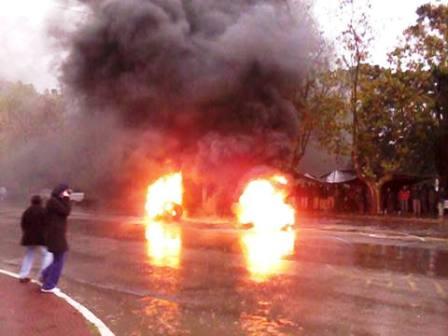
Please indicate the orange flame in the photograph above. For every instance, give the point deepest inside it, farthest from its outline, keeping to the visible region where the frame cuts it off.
(163, 195)
(263, 204)
(164, 240)
(164, 244)
(264, 252)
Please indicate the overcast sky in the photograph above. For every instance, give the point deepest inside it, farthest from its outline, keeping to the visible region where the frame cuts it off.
(27, 53)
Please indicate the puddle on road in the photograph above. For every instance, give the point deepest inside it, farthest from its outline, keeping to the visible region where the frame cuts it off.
(264, 253)
(163, 244)
(402, 259)
(215, 282)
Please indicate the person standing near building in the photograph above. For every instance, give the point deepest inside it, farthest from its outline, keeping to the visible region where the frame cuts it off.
(432, 201)
(33, 225)
(389, 201)
(416, 204)
(404, 196)
(57, 210)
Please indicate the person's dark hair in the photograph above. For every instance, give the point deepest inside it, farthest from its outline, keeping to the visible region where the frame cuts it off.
(59, 189)
(36, 200)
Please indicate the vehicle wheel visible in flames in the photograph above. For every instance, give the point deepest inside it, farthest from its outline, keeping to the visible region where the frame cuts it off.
(173, 211)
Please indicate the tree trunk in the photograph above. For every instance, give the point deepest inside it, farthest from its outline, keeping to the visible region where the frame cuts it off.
(374, 197)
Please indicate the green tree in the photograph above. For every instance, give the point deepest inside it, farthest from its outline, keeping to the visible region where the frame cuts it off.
(16, 103)
(355, 42)
(25, 114)
(425, 52)
(394, 124)
(390, 111)
(27, 120)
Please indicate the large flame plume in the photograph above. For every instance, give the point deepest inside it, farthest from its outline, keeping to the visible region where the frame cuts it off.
(164, 196)
(263, 204)
(164, 201)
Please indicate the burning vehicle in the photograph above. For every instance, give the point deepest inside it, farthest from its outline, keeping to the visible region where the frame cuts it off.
(198, 83)
(264, 203)
(261, 200)
(265, 206)
(212, 86)
(262, 213)
(164, 198)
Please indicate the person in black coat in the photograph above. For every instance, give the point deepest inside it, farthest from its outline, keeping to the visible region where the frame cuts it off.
(57, 210)
(33, 226)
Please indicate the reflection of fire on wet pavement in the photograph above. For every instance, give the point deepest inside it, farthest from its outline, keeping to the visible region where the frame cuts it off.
(264, 252)
(164, 202)
(260, 277)
(262, 205)
(163, 244)
(336, 282)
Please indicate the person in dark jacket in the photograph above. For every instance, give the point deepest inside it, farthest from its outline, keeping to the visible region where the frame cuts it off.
(57, 210)
(432, 201)
(33, 225)
(389, 201)
(416, 204)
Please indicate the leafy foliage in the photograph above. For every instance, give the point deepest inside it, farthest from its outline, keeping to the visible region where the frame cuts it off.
(24, 113)
(425, 53)
(392, 110)
(394, 123)
(25, 117)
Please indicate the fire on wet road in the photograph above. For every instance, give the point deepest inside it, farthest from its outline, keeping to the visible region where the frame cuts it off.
(200, 278)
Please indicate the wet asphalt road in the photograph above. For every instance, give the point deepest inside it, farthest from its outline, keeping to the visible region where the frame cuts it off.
(326, 277)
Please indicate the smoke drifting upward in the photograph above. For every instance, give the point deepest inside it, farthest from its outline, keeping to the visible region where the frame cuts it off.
(210, 80)
(191, 66)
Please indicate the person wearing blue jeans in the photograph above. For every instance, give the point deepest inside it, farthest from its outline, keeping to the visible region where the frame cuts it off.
(57, 210)
(28, 261)
(33, 231)
(51, 274)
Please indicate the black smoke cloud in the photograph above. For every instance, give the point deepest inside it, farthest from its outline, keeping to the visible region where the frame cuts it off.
(206, 84)
(191, 67)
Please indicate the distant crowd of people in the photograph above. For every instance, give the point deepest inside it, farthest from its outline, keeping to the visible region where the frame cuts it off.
(330, 197)
(420, 200)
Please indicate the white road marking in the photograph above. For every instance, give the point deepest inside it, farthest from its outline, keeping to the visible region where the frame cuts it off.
(87, 314)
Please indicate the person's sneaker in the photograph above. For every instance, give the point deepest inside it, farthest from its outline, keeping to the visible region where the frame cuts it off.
(24, 280)
(51, 290)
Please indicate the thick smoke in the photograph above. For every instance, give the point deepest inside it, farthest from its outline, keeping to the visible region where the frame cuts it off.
(207, 85)
(191, 67)
(212, 74)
